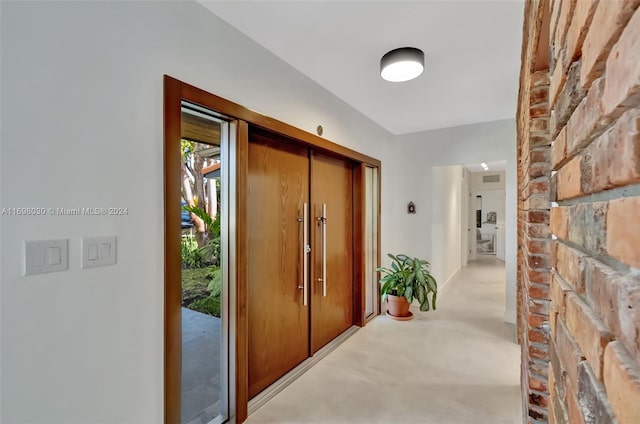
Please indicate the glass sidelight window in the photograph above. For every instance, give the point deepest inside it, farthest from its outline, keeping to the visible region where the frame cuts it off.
(205, 264)
(371, 240)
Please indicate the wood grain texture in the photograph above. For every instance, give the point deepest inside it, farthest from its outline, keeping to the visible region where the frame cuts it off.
(242, 268)
(235, 110)
(359, 244)
(201, 130)
(172, 258)
(332, 183)
(278, 185)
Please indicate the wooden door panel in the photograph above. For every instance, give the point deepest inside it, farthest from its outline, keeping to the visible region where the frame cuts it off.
(332, 184)
(278, 185)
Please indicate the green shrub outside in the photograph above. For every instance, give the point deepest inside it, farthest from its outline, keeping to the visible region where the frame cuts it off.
(202, 289)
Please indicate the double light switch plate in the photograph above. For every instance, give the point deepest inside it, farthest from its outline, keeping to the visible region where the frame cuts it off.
(42, 256)
(46, 256)
(98, 251)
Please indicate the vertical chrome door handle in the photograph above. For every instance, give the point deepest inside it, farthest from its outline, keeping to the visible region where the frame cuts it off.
(323, 221)
(305, 251)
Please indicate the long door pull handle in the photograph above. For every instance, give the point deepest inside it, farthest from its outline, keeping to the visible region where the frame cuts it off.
(323, 221)
(305, 251)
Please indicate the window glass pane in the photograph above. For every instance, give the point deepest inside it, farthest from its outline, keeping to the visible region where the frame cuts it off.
(204, 260)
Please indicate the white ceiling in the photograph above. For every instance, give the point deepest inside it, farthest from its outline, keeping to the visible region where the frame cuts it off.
(472, 51)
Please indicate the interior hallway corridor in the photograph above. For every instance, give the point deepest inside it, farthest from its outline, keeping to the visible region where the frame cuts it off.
(459, 364)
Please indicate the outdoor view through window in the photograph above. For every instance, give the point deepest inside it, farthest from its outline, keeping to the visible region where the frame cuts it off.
(204, 362)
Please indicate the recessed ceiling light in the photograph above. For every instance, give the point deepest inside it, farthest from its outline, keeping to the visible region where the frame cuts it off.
(403, 64)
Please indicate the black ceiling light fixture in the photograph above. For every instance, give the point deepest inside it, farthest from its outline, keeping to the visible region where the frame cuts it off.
(403, 64)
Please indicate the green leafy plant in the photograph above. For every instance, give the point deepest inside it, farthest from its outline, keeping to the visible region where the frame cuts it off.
(202, 289)
(409, 277)
(210, 251)
(213, 225)
(191, 254)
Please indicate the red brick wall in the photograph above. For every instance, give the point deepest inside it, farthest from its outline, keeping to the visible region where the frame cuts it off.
(594, 98)
(534, 248)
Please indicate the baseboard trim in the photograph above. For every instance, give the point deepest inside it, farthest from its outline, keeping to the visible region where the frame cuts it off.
(451, 277)
(279, 385)
(509, 316)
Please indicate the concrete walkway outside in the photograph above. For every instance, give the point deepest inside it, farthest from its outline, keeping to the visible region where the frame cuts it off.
(200, 367)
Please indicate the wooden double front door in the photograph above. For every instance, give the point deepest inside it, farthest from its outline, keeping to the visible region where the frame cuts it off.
(300, 254)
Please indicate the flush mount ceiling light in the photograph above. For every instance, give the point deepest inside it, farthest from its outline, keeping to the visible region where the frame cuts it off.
(402, 64)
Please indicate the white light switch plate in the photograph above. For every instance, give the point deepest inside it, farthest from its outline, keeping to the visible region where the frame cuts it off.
(46, 256)
(98, 251)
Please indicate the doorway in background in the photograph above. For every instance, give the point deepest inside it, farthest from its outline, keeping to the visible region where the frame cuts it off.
(487, 210)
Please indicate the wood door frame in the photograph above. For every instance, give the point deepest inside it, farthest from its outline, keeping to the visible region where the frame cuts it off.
(359, 242)
(359, 237)
(176, 91)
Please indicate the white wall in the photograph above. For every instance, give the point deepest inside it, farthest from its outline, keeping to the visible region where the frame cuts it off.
(81, 116)
(485, 142)
(478, 183)
(465, 216)
(446, 221)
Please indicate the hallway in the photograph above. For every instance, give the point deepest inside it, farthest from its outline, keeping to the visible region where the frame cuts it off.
(459, 364)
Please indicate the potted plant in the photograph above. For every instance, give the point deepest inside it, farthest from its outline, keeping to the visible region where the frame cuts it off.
(407, 280)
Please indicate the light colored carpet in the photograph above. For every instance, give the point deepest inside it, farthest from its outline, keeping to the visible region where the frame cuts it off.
(459, 364)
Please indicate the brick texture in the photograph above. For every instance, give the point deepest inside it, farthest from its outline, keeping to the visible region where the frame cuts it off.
(622, 383)
(558, 291)
(588, 330)
(579, 25)
(559, 149)
(613, 159)
(570, 180)
(568, 98)
(622, 87)
(616, 298)
(623, 241)
(588, 226)
(568, 354)
(609, 19)
(575, 412)
(587, 121)
(534, 253)
(592, 397)
(579, 261)
(570, 266)
(559, 222)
